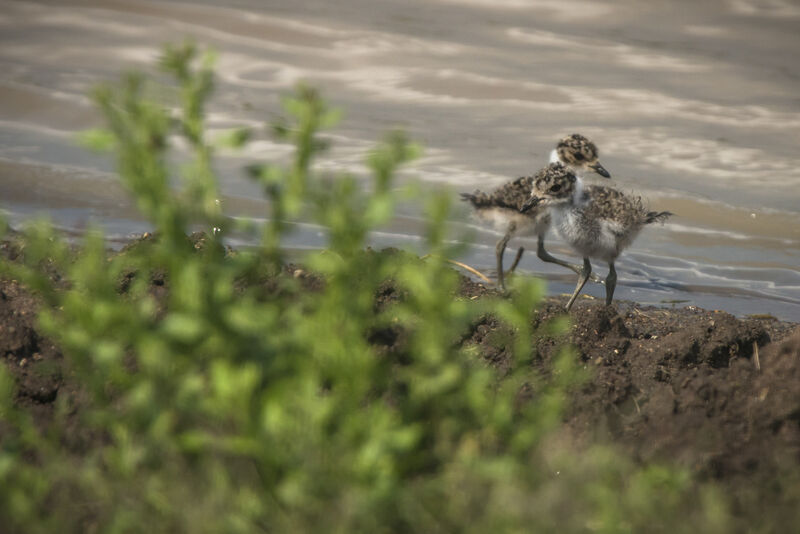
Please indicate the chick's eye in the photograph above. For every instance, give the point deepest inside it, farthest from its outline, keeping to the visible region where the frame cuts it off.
(556, 188)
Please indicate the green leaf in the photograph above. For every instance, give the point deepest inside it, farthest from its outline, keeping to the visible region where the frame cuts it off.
(330, 118)
(97, 139)
(183, 327)
(234, 139)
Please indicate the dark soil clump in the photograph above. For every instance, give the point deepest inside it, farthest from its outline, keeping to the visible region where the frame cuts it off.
(32, 359)
(684, 385)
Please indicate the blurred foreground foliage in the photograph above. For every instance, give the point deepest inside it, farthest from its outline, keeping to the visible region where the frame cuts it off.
(236, 401)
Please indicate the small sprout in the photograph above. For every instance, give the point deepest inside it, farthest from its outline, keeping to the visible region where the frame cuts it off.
(97, 139)
(234, 139)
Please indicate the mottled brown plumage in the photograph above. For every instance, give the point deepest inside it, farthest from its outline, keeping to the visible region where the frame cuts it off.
(607, 203)
(576, 148)
(511, 195)
(553, 177)
(555, 183)
(579, 153)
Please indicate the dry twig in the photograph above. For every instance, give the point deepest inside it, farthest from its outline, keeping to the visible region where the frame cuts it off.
(466, 268)
(755, 356)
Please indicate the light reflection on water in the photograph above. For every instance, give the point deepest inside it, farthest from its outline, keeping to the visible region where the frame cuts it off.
(695, 108)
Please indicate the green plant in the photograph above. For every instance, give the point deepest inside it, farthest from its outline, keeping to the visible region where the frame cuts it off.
(238, 400)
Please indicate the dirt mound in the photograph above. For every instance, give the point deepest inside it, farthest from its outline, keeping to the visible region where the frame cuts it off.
(685, 385)
(716, 394)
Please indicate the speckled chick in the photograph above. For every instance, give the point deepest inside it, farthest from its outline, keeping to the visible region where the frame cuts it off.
(502, 208)
(596, 221)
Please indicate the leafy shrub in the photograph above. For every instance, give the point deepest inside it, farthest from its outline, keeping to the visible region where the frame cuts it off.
(235, 399)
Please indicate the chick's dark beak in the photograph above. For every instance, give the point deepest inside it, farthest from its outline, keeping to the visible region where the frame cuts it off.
(530, 203)
(599, 169)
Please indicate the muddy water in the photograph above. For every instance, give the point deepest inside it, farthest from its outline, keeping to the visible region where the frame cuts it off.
(694, 105)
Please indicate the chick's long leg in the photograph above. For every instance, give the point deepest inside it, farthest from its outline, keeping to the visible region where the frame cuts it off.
(499, 250)
(611, 283)
(574, 267)
(516, 260)
(583, 276)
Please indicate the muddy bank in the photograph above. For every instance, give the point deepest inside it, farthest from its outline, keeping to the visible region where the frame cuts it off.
(682, 384)
(699, 388)
(713, 393)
